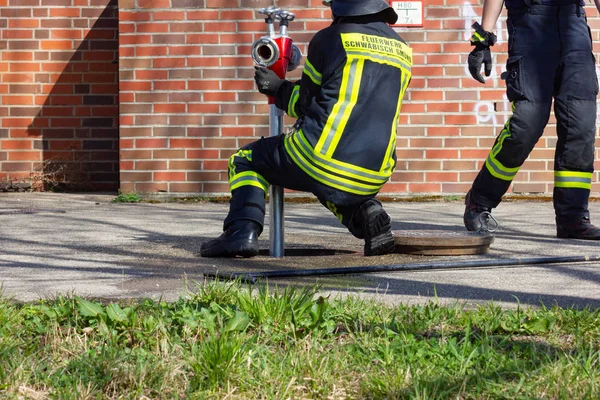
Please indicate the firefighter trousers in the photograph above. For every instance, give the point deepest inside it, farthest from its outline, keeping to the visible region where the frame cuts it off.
(550, 57)
(263, 162)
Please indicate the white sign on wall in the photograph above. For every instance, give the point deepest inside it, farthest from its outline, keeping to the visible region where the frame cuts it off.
(410, 13)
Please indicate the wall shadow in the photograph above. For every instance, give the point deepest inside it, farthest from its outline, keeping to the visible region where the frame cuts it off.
(79, 121)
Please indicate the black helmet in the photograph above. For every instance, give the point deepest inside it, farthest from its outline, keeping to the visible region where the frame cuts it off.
(355, 8)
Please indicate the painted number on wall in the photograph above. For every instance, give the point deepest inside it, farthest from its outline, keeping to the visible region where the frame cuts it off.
(410, 13)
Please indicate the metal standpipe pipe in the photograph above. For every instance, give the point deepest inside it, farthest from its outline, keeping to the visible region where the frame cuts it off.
(276, 52)
(276, 233)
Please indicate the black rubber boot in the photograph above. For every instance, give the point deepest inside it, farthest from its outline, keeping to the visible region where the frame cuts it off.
(240, 239)
(476, 216)
(377, 229)
(580, 229)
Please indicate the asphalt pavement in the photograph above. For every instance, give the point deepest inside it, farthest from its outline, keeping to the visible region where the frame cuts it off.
(84, 244)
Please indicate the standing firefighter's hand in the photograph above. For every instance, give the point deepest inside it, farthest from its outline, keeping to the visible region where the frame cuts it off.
(482, 40)
(267, 81)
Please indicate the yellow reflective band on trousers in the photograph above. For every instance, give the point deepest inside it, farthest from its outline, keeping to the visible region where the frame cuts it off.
(573, 179)
(312, 73)
(333, 208)
(247, 154)
(291, 111)
(248, 178)
(245, 178)
(494, 166)
(306, 161)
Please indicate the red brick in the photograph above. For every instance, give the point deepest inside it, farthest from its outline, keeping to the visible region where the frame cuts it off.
(196, 187)
(168, 15)
(208, 15)
(151, 51)
(203, 108)
(441, 177)
(169, 108)
(154, 3)
(24, 156)
(134, 15)
(56, 45)
(186, 143)
(219, 96)
(423, 188)
(479, 154)
(16, 144)
(152, 27)
(215, 188)
(23, 23)
(168, 154)
(150, 187)
(203, 154)
(169, 176)
(152, 165)
(169, 85)
(151, 143)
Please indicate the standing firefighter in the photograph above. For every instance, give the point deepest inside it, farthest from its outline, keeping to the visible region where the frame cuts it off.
(343, 148)
(550, 56)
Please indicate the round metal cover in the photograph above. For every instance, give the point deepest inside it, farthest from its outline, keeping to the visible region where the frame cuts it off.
(442, 242)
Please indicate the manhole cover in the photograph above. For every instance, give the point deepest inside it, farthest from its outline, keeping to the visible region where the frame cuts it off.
(442, 242)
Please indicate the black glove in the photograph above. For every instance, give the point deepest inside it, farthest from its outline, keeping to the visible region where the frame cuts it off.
(482, 40)
(267, 81)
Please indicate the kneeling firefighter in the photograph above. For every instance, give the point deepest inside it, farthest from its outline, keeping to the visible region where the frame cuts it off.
(343, 147)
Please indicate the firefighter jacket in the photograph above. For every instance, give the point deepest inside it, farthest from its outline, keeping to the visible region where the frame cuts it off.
(347, 103)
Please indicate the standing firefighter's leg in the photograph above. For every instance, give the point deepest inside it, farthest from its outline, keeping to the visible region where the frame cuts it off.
(245, 220)
(534, 54)
(575, 109)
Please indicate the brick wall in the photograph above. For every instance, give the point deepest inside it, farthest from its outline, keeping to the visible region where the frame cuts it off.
(188, 100)
(58, 90)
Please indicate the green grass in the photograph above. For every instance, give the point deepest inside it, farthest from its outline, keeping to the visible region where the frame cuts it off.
(127, 198)
(227, 341)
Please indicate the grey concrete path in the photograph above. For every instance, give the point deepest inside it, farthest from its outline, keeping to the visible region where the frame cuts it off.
(69, 243)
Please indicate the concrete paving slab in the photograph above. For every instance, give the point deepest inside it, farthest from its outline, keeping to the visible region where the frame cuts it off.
(82, 243)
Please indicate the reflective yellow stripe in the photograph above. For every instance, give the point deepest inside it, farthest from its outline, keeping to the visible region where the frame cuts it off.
(293, 100)
(381, 60)
(494, 166)
(337, 167)
(247, 154)
(312, 73)
(333, 208)
(248, 178)
(477, 37)
(573, 179)
(336, 122)
(356, 76)
(246, 183)
(334, 181)
(360, 47)
(387, 166)
(406, 75)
